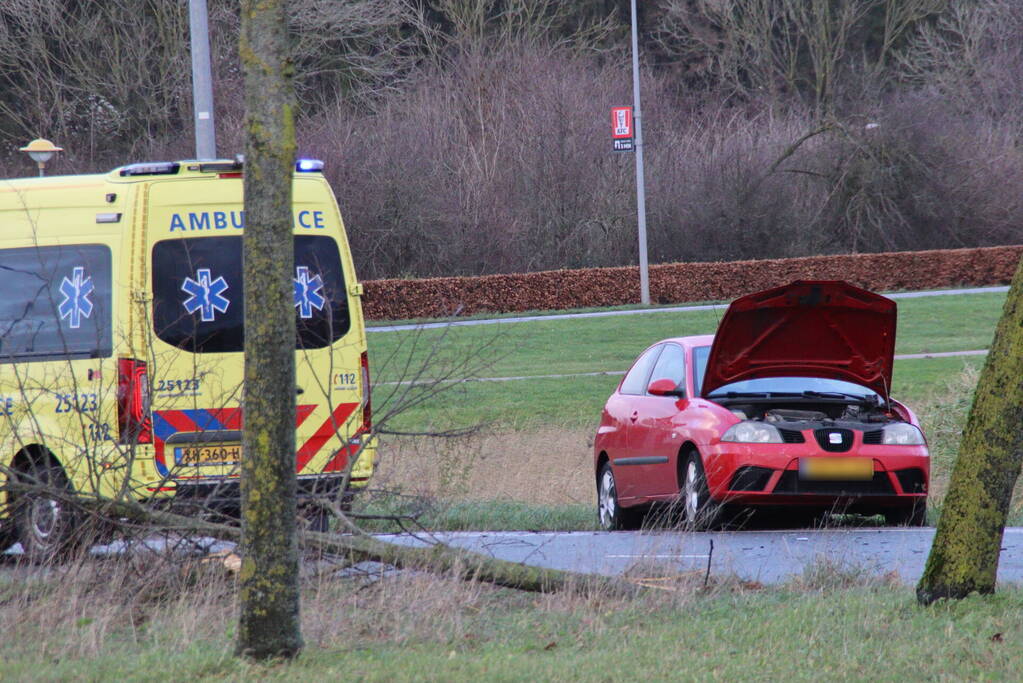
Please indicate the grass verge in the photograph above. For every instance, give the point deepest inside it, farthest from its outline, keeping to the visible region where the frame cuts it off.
(109, 622)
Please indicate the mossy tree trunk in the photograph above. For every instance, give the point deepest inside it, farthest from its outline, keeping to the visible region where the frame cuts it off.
(269, 579)
(964, 556)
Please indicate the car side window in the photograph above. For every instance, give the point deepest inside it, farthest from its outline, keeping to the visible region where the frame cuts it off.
(671, 365)
(635, 382)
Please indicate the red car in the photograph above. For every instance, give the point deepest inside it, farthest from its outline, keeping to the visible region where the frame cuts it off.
(787, 405)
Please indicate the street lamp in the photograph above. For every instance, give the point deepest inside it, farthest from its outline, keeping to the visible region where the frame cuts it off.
(41, 150)
(644, 275)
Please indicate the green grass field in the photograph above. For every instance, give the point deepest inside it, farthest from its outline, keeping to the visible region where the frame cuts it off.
(587, 345)
(831, 624)
(536, 409)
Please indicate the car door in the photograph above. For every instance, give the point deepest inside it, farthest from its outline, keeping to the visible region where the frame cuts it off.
(652, 438)
(622, 412)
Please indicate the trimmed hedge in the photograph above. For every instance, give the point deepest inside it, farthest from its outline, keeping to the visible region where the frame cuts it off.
(682, 282)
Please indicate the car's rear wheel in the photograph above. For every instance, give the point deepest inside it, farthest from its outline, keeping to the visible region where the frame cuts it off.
(914, 514)
(610, 514)
(46, 522)
(700, 510)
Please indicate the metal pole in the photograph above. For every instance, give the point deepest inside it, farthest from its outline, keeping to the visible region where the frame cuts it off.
(202, 82)
(644, 275)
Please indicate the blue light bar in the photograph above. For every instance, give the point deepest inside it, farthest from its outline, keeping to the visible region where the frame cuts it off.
(309, 166)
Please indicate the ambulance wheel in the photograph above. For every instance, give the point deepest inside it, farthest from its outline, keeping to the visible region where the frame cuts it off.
(316, 519)
(45, 520)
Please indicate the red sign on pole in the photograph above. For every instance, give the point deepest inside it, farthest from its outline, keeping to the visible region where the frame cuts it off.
(621, 122)
(621, 129)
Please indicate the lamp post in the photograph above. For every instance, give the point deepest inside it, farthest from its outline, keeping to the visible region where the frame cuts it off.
(41, 150)
(644, 275)
(202, 81)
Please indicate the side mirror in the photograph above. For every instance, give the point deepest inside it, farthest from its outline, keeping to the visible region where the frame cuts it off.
(665, 387)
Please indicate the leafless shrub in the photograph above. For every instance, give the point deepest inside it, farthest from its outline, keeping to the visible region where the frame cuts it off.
(788, 48)
(492, 164)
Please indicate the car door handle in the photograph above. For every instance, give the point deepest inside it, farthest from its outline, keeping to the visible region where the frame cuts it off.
(635, 416)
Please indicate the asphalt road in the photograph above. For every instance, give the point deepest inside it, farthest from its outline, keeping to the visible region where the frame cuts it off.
(769, 557)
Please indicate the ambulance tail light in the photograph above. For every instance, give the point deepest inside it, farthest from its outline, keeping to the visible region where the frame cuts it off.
(133, 402)
(367, 412)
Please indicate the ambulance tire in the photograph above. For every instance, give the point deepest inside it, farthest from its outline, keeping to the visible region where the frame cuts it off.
(47, 524)
(8, 535)
(316, 519)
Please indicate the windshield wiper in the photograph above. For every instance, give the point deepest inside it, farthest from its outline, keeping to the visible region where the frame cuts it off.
(755, 394)
(840, 395)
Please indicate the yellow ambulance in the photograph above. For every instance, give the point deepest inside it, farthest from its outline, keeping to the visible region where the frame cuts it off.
(121, 338)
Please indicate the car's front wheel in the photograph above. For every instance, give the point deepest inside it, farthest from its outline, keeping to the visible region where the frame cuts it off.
(700, 510)
(610, 514)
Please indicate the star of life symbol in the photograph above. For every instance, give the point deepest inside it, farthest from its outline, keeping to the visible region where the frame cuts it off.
(308, 292)
(206, 295)
(76, 301)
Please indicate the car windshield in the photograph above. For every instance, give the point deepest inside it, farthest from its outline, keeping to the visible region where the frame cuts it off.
(811, 387)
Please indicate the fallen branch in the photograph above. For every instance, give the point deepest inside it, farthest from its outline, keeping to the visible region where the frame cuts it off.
(437, 558)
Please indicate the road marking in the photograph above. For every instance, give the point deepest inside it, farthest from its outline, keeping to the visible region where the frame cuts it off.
(940, 354)
(618, 373)
(660, 557)
(643, 311)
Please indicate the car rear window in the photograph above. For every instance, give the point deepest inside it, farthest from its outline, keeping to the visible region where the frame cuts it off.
(671, 365)
(55, 303)
(700, 355)
(198, 300)
(636, 380)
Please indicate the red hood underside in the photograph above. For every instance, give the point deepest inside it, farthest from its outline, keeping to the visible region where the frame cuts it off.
(825, 329)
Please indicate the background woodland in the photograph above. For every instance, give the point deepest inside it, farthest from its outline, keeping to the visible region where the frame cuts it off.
(469, 137)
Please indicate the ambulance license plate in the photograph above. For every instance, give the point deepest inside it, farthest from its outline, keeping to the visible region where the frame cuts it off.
(208, 454)
(836, 469)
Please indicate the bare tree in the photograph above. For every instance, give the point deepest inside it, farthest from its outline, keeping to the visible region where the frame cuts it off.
(269, 580)
(964, 555)
(787, 47)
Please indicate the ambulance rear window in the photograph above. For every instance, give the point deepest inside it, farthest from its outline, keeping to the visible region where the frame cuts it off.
(198, 302)
(55, 303)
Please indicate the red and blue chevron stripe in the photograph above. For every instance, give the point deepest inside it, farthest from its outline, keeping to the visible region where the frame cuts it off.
(167, 423)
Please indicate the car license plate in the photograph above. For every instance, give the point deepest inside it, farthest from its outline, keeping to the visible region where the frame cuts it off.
(208, 454)
(840, 469)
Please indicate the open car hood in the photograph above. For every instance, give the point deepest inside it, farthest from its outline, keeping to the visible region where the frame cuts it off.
(825, 329)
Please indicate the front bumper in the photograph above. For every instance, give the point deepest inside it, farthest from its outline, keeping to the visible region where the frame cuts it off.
(769, 474)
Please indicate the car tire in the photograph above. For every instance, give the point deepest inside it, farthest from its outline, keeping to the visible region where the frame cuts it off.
(46, 523)
(914, 514)
(610, 515)
(701, 512)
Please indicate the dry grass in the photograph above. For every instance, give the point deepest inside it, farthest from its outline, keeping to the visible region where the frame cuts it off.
(547, 465)
(95, 609)
(75, 611)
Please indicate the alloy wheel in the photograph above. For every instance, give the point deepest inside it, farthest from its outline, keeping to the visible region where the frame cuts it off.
(692, 490)
(607, 503)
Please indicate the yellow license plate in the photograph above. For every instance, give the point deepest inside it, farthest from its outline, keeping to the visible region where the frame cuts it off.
(836, 469)
(208, 454)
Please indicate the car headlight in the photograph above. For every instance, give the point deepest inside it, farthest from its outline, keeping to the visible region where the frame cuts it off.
(902, 434)
(752, 432)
